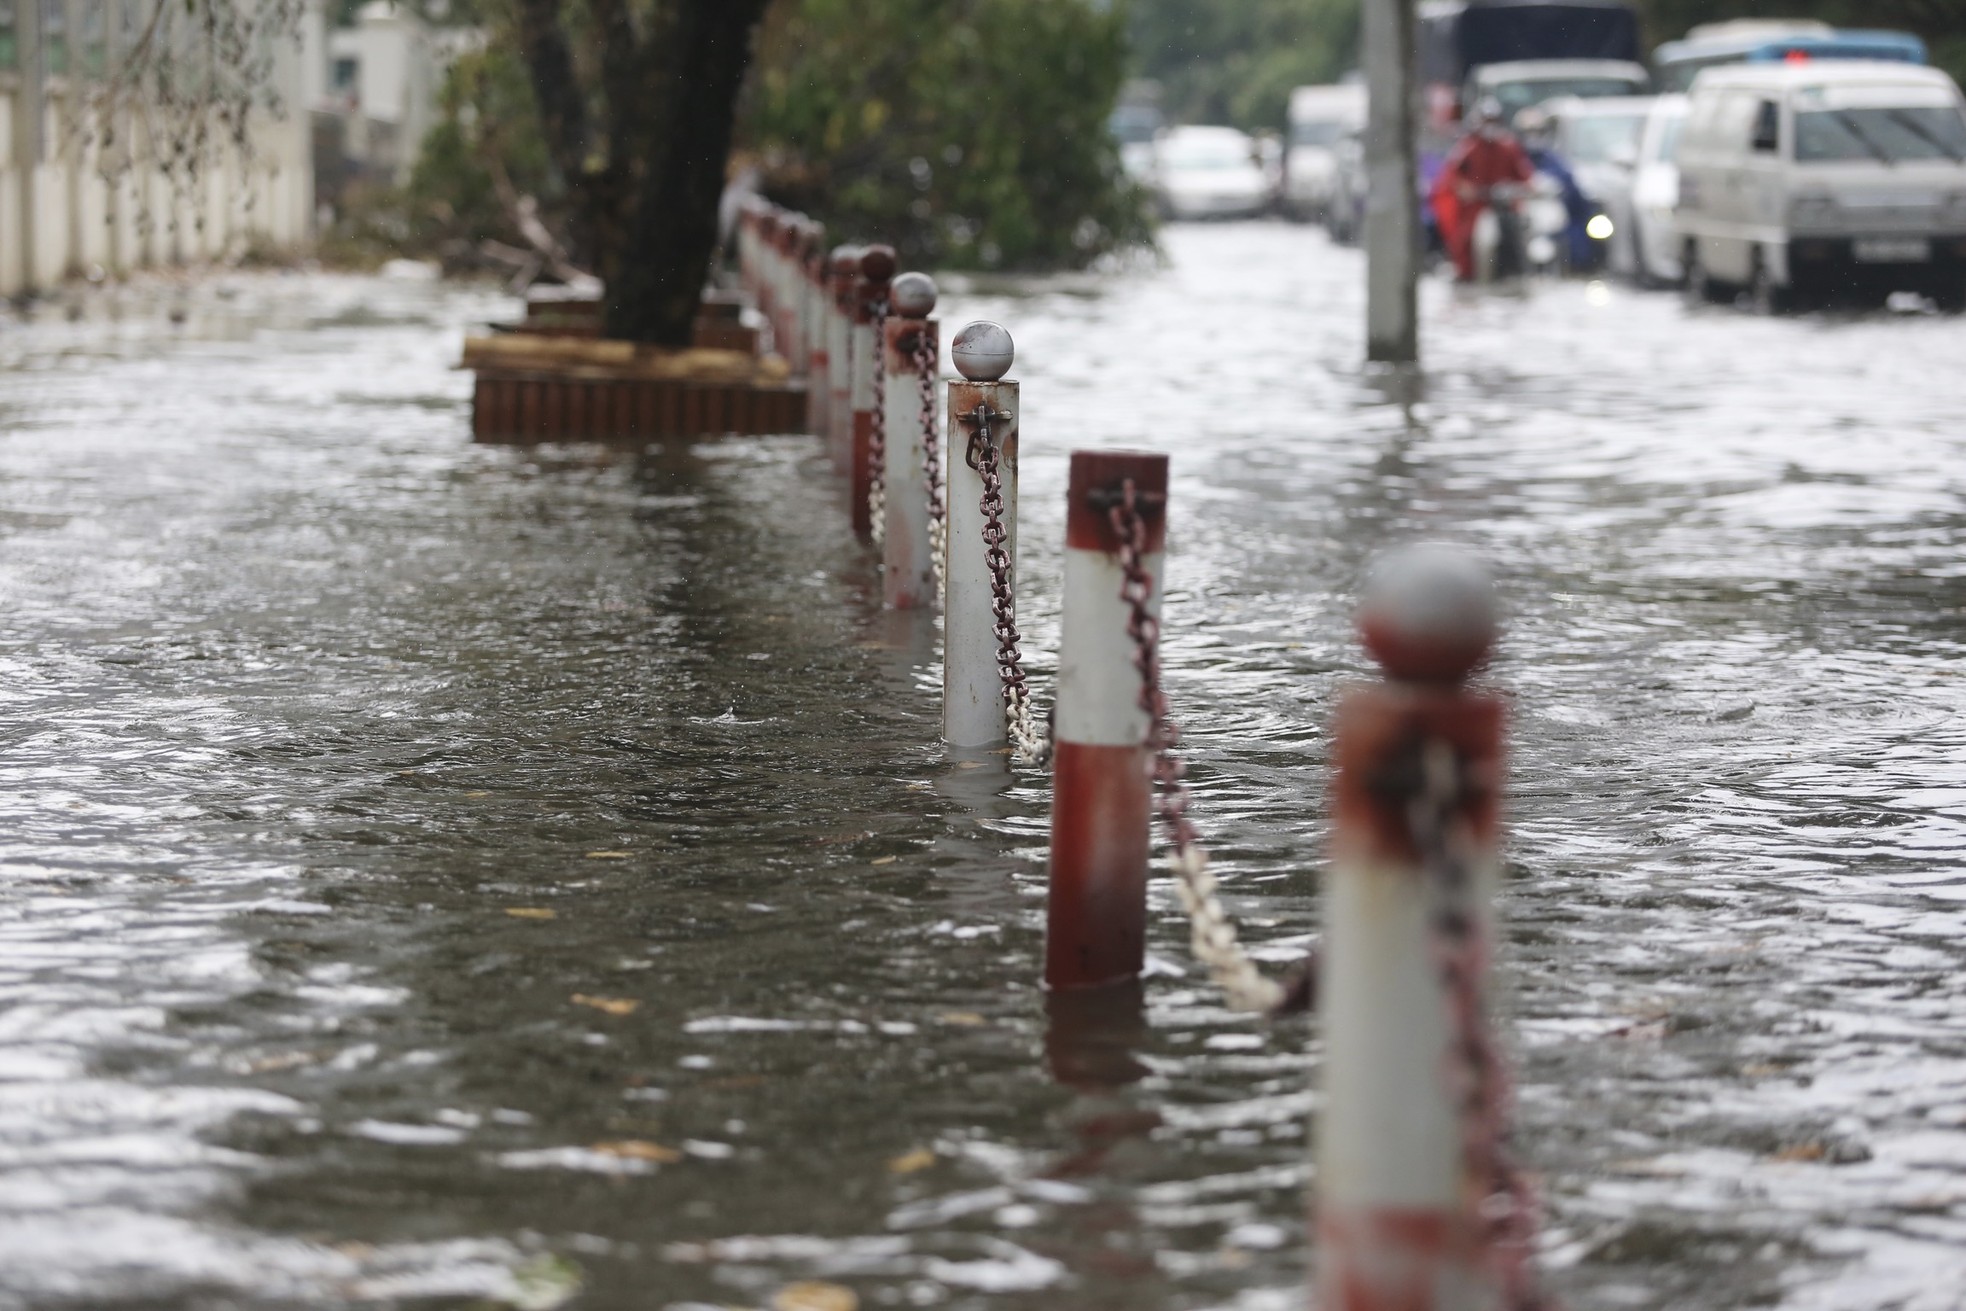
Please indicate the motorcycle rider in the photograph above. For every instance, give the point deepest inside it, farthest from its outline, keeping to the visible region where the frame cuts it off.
(1487, 157)
(1537, 128)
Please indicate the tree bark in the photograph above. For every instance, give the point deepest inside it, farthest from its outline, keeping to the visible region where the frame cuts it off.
(655, 273)
(645, 212)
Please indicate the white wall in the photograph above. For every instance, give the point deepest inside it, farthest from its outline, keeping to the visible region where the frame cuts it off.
(59, 217)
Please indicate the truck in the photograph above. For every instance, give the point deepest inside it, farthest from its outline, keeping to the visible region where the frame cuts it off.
(1566, 39)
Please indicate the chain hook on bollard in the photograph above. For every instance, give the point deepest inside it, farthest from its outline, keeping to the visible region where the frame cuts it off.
(1032, 747)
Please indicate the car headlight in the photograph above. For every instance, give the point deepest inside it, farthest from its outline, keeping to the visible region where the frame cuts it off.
(1600, 227)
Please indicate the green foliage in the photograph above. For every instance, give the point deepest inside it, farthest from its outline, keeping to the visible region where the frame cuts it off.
(1236, 61)
(969, 133)
(1938, 21)
(486, 138)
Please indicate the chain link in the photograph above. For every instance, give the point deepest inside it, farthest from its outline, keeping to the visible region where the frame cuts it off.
(1031, 746)
(1503, 1204)
(938, 515)
(1213, 935)
(877, 443)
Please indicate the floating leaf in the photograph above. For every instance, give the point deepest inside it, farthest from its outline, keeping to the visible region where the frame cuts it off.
(968, 1019)
(532, 913)
(475, 795)
(638, 1149)
(909, 1162)
(612, 1005)
(608, 855)
(811, 1295)
(885, 860)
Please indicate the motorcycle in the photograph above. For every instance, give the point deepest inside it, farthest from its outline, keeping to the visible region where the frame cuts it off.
(1522, 229)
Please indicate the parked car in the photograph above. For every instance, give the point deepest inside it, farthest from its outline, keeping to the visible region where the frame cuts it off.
(1319, 118)
(1209, 172)
(1521, 83)
(1805, 181)
(1644, 243)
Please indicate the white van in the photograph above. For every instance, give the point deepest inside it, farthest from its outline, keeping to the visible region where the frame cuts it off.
(1812, 180)
(1320, 118)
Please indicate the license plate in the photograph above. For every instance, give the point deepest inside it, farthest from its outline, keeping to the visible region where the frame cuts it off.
(1893, 250)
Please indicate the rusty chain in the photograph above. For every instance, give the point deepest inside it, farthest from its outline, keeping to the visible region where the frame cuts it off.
(1504, 1205)
(1213, 935)
(1032, 747)
(938, 515)
(877, 441)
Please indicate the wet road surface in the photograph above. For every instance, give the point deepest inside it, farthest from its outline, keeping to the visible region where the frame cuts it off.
(436, 875)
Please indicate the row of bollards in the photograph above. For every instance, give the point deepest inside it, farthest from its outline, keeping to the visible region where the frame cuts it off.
(1420, 1203)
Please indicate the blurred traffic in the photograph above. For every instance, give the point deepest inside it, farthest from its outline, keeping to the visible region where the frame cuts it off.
(1781, 164)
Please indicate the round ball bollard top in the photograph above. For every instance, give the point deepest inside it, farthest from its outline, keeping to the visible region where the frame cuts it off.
(877, 263)
(1428, 614)
(912, 295)
(845, 260)
(983, 351)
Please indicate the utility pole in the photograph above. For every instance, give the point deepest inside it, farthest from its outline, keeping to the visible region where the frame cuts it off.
(1392, 220)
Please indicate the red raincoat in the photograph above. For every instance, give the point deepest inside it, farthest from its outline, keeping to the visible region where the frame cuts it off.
(1477, 162)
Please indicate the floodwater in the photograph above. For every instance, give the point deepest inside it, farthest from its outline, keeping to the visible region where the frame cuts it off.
(444, 875)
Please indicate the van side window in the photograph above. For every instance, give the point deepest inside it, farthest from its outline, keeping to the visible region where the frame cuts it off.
(1767, 129)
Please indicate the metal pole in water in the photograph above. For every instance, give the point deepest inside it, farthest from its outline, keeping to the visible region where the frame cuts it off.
(981, 407)
(1102, 767)
(818, 348)
(1408, 1144)
(845, 272)
(876, 268)
(908, 573)
(1392, 217)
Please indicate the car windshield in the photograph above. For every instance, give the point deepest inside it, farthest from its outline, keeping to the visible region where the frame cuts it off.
(1877, 132)
(1316, 132)
(1595, 138)
(1208, 154)
(1518, 96)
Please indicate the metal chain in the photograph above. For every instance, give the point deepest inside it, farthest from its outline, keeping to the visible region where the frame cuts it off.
(877, 443)
(1031, 746)
(1503, 1204)
(938, 515)
(1213, 936)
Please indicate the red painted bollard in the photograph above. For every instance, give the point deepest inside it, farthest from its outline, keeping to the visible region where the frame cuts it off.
(908, 572)
(869, 300)
(982, 408)
(1419, 1205)
(1102, 777)
(765, 289)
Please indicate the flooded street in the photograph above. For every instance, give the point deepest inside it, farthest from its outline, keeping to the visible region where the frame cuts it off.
(439, 875)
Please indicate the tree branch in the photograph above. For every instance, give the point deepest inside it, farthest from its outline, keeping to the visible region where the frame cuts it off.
(562, 108)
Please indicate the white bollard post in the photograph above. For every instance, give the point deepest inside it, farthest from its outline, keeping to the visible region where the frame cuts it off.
(1404, 1160)
(869, 289)
(908, 573)
(843, 272)
(818, 349)
(972, 691)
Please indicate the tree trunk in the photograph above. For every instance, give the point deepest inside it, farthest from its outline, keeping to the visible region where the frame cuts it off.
(655, 272)
(645, 217)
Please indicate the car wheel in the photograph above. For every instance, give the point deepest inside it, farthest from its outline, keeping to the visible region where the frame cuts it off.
(1770, 298)
(1951, 298)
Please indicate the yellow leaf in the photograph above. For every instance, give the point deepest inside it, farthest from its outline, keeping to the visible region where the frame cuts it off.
(637, 1149)
(475, 795)
(811, 1295)
(608, 855)
(909, 1162)
(968, 1019)
(612, 1005)
(885, 860)
(532, 913)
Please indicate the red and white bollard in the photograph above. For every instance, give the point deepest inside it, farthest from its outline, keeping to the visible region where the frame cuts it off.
(785, 289)
(908, 570)
(818, 348)
(876, 270)
(1102, 768)
(981, 405)
(844, 273)
(1408, 1136)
